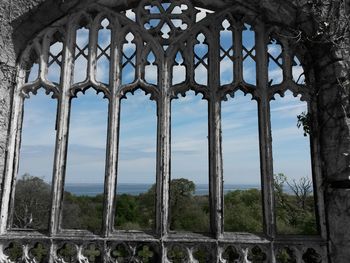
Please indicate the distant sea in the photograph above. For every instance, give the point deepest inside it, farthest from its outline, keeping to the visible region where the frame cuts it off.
(136, 189)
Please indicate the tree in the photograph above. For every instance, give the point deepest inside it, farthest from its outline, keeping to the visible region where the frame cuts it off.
(187, 212)
(147, 206)
(243, 211)
(32, 203)
(295, 213)
(127, 212)
(302, 190)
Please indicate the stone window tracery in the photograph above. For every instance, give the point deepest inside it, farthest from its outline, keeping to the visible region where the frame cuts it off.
(165, 49)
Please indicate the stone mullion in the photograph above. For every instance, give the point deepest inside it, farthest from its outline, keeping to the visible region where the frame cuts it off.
(139, 68)
(238, 63)
(112, 136)
(44, 58)
(318, 185)
(62, 132)
(287, 62)
(265, 136)
(163, 156)
(92, 53)
(214, 136)
(13, 146)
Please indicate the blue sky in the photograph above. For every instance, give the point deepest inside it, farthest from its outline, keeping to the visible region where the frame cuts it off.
(189, 145)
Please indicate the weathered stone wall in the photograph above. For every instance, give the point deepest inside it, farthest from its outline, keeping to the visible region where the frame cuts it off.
(324, 32)
(7, 74)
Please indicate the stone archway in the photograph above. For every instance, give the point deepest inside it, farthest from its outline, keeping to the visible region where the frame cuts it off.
(329, 62)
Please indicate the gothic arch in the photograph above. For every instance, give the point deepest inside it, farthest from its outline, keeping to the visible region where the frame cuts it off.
(285, 15)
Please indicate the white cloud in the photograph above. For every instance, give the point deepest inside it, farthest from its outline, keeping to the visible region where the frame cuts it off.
(289, 110)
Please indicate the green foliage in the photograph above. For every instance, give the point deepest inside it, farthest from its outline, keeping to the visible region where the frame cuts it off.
(304, 120)
(295, 209)
(136, 212)
(32, 203)
(127, 210)
(82, 212)
(243, 211)
(187, 212)
(295, 213)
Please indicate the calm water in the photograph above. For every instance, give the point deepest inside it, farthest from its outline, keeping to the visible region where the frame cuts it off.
(135, 189)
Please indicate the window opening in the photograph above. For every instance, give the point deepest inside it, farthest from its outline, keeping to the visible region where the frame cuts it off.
(249, 64)
(32, 200)
(129, 59)
(189, 164)
(179, 69)
(201, 54)
(294, 197)
(151, 69)
(275, 62)
(130, 14)
(55, 59)
(81, 54)
(242, 183)
(32, 73)
(85, 169)
(103, 52)
(136, 176)
(226, 53)
(298, 71)
(158, 47)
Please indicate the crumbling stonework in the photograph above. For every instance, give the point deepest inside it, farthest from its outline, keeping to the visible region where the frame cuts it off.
(321, 27)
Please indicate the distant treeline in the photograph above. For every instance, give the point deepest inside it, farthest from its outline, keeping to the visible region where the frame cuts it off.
(295, 213)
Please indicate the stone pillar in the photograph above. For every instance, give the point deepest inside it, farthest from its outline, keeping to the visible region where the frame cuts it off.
(7, 79)
(7, 74)
(333, 83)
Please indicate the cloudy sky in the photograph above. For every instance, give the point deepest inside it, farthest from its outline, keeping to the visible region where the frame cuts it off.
(138, 124)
